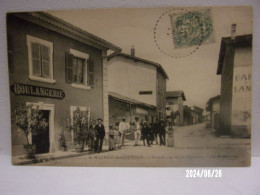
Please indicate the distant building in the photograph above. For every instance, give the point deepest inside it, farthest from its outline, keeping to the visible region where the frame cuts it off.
(199, 112)
(139, 80)
(235, 67)
(58, 67)
(121, 106)
(213, 106)
(174, 104)
(192, 115)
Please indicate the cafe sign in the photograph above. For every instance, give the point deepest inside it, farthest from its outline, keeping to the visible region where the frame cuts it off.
(37, 91)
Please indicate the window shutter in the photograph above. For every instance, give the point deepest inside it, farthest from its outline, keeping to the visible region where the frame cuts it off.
(90, 69)
(68, 68)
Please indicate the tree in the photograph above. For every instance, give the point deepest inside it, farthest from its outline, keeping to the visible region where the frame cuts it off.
(29, 119)
(79, 124)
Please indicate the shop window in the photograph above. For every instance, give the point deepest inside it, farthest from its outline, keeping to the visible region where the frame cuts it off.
(79, 70)
(40, 56)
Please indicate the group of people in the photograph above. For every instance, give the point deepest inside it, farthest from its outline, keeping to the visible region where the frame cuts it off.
(149, 133)
(96, 135)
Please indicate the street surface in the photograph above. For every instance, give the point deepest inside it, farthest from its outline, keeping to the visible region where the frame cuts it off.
(195, 146)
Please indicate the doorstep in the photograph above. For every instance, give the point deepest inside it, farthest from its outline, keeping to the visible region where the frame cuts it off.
(21, 160)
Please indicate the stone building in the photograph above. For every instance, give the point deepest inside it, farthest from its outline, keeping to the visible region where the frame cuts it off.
(192, 115)
(58, 67)
(235, 67)
(213, 106)
(138, 80)
(174, 104)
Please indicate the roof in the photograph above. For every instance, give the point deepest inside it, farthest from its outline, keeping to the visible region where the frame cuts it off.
(239, 41)
(160, 68)
(129, 100)
(196, 108)
(173, 94)
(58, 25)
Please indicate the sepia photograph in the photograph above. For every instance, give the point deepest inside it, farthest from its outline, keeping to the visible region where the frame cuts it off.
(131, 87)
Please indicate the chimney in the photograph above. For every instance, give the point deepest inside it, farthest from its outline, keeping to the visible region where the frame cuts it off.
(133, 51)
(233, 31)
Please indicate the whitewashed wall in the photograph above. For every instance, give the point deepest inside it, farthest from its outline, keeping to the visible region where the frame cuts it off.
(127, 77)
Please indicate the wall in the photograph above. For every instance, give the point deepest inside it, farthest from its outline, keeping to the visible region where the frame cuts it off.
(176, 104)
(92, 98)
(127, 77)
(242, 85)
(161, 94)
(215, 114)
(226, 92)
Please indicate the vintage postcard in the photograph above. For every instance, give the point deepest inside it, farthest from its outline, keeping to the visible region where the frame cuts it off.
(139, 87)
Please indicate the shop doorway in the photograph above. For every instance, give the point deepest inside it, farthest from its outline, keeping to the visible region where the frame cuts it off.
(45, 141)
(42, 139)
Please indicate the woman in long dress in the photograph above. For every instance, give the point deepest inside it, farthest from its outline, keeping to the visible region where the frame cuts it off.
(111, 134)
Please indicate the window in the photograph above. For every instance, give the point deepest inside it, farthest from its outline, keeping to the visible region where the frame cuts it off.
(79, 70)
(145, 92)
(40, 56)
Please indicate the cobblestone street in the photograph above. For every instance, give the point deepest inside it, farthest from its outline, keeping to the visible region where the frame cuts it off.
(194, 146)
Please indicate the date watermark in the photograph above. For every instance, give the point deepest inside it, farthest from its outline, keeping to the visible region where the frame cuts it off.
(204, 173)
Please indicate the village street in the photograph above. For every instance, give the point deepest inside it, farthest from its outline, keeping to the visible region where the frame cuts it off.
(194, 146)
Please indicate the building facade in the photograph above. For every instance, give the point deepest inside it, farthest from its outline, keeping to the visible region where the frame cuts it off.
(213, 107)
(139, 80)
(174, 104)
(121, 106)
(192, 115)
(235, 67)
(58, 67)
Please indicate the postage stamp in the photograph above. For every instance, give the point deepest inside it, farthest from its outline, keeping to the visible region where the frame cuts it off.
(191, 28)
(179, 33)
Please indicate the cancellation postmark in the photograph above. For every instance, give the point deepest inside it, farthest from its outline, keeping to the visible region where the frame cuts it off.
(180, 32)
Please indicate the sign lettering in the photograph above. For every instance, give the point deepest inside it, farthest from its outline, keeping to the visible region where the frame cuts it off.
(37, 91)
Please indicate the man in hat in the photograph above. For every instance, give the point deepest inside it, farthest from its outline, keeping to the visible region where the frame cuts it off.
(145, 133)
(100, 134)
(137, 132)
(122, 129)
(162, 132)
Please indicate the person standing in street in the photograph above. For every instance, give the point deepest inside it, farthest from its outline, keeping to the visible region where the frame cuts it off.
(100, 134)
(145, 133)
(137, 133)
(155, 130)
(162, 132)
(111, 138)
(118, 140)
(122, 129)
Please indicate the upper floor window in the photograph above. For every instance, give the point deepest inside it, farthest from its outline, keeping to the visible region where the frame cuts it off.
(145, 92)
(79, 69)
(40, 55)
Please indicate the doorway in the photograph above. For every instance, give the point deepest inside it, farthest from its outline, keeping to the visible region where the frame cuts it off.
(42, 139)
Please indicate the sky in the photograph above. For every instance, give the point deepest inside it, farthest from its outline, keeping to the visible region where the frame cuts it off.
(194, 74)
